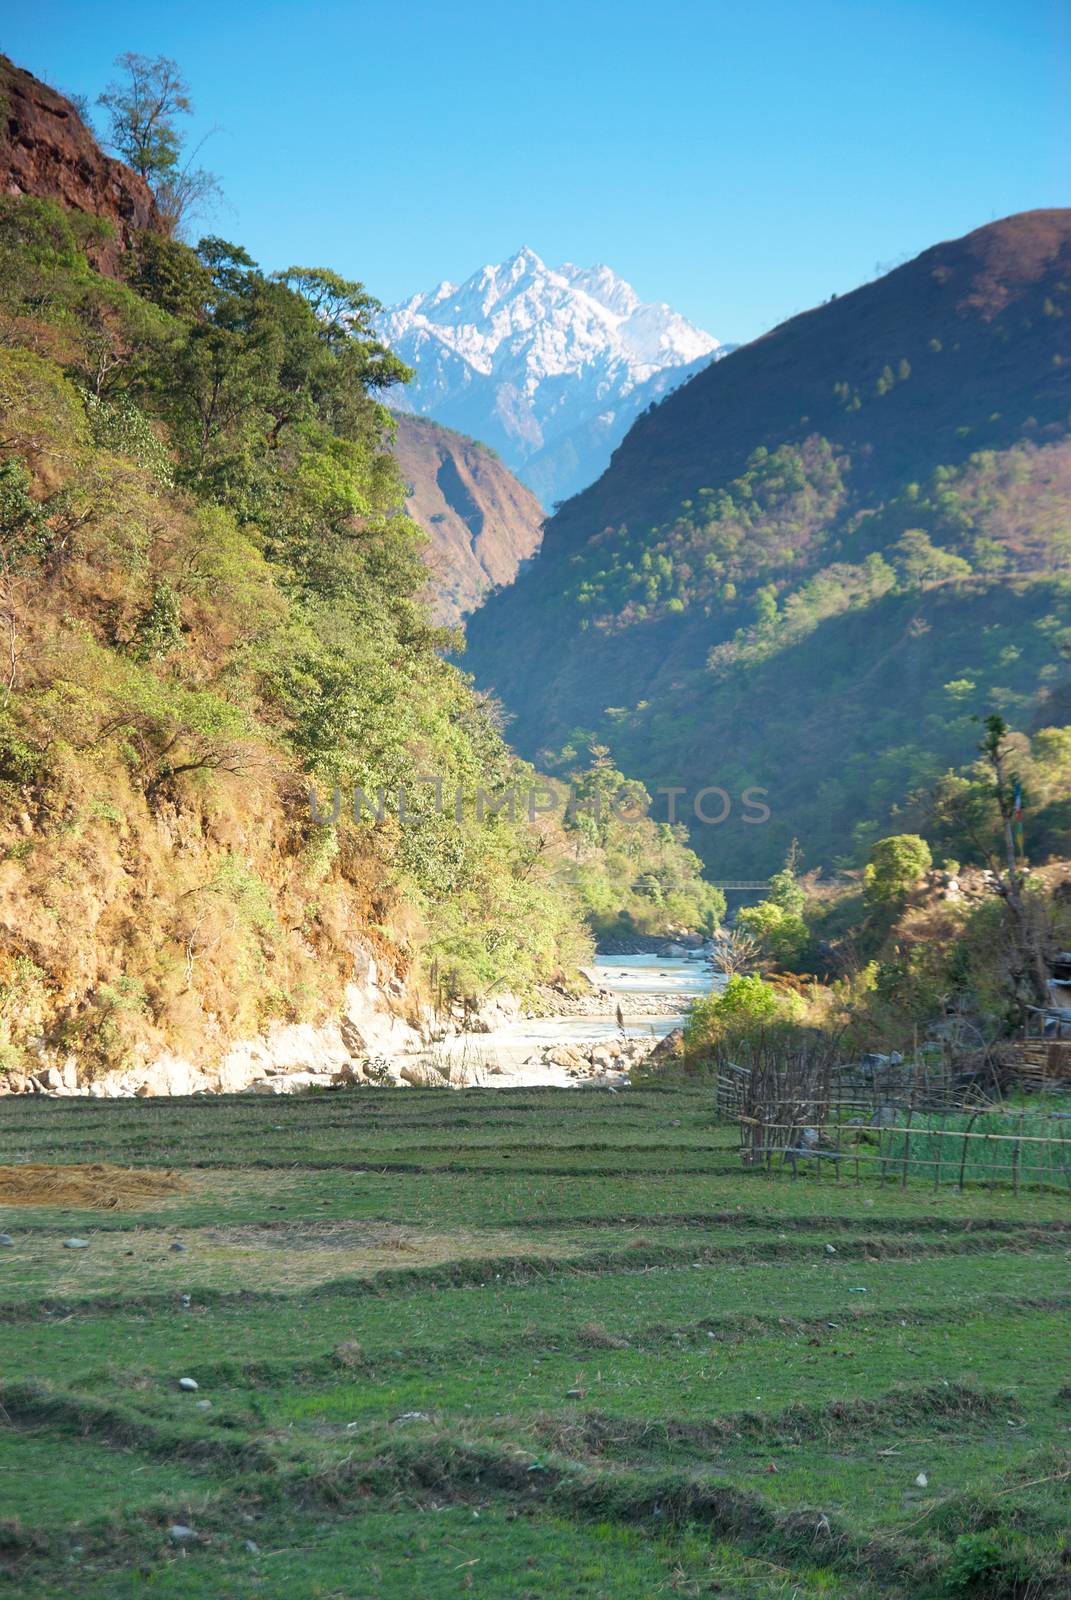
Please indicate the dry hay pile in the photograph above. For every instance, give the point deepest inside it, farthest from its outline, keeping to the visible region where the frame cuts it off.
(92, 1187)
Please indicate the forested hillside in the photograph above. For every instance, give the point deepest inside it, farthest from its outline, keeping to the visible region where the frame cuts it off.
(210, 599)
(813, 564)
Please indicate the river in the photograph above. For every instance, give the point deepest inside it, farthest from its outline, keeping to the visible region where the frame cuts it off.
(509, 1056)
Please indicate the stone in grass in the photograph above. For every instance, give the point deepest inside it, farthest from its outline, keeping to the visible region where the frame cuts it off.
(203, 1405)
(6, 1242)
(76, 1244)
(574, 1394)
(180, 1533)
(189, 1384)
(178, 1245)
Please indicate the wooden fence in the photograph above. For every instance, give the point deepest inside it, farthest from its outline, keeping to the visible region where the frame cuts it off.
(1009, 1148)
(799, 1111)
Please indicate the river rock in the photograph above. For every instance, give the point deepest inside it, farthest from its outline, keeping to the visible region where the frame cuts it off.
(169, 1074)
(425, 1075)
(348, 1076)
(667, 1051)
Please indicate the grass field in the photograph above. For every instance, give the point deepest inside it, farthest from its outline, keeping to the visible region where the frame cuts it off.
(521, 1344)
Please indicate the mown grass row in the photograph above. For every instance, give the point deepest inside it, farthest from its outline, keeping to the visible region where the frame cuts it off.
(638, 1259)
(441, 1469)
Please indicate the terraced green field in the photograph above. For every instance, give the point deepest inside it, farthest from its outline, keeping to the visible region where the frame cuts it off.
(550, 1343)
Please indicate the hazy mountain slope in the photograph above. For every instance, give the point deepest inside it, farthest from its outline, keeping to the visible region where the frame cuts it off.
(569, 461)
(481, 521)
(548, 366)
(982, 298)
(815, 497)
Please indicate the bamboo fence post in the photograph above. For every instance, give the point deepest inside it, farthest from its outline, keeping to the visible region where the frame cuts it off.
(966, 1147)
(907, 1142)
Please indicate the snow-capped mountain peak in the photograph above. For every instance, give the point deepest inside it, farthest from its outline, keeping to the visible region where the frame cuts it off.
(603, 285)
(549, 365)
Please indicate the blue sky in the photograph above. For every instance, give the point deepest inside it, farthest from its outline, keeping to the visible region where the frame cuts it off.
(741, 159)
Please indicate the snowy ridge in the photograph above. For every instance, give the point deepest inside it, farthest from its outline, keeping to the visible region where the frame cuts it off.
(550, 366)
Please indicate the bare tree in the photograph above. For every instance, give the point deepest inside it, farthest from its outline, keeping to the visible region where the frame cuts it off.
(737, 952)
(1009, 875)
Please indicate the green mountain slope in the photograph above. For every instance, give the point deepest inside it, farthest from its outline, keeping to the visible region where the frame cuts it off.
(791, 557)
(211, 601)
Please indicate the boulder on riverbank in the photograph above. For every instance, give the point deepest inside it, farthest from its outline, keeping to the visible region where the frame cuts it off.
(598, 1057)
(668, 1052)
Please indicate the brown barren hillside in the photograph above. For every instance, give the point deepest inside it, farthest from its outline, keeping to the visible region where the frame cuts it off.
(482, 522)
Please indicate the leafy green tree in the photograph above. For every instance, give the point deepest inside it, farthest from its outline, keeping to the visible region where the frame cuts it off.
(782, 934)
(171, 275)
(25, 533)
(766, 612)
(1010, 875)
(785, 888)
(266, 357)
(144, 107)
(158, 629)
(896, 864)
(921, 563)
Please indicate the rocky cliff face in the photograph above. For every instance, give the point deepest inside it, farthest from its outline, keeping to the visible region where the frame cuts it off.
(46, 150)
(481, 522)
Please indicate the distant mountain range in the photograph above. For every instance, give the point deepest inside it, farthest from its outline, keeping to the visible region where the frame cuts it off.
(480, 521)
(549, 366)
(815, 565)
